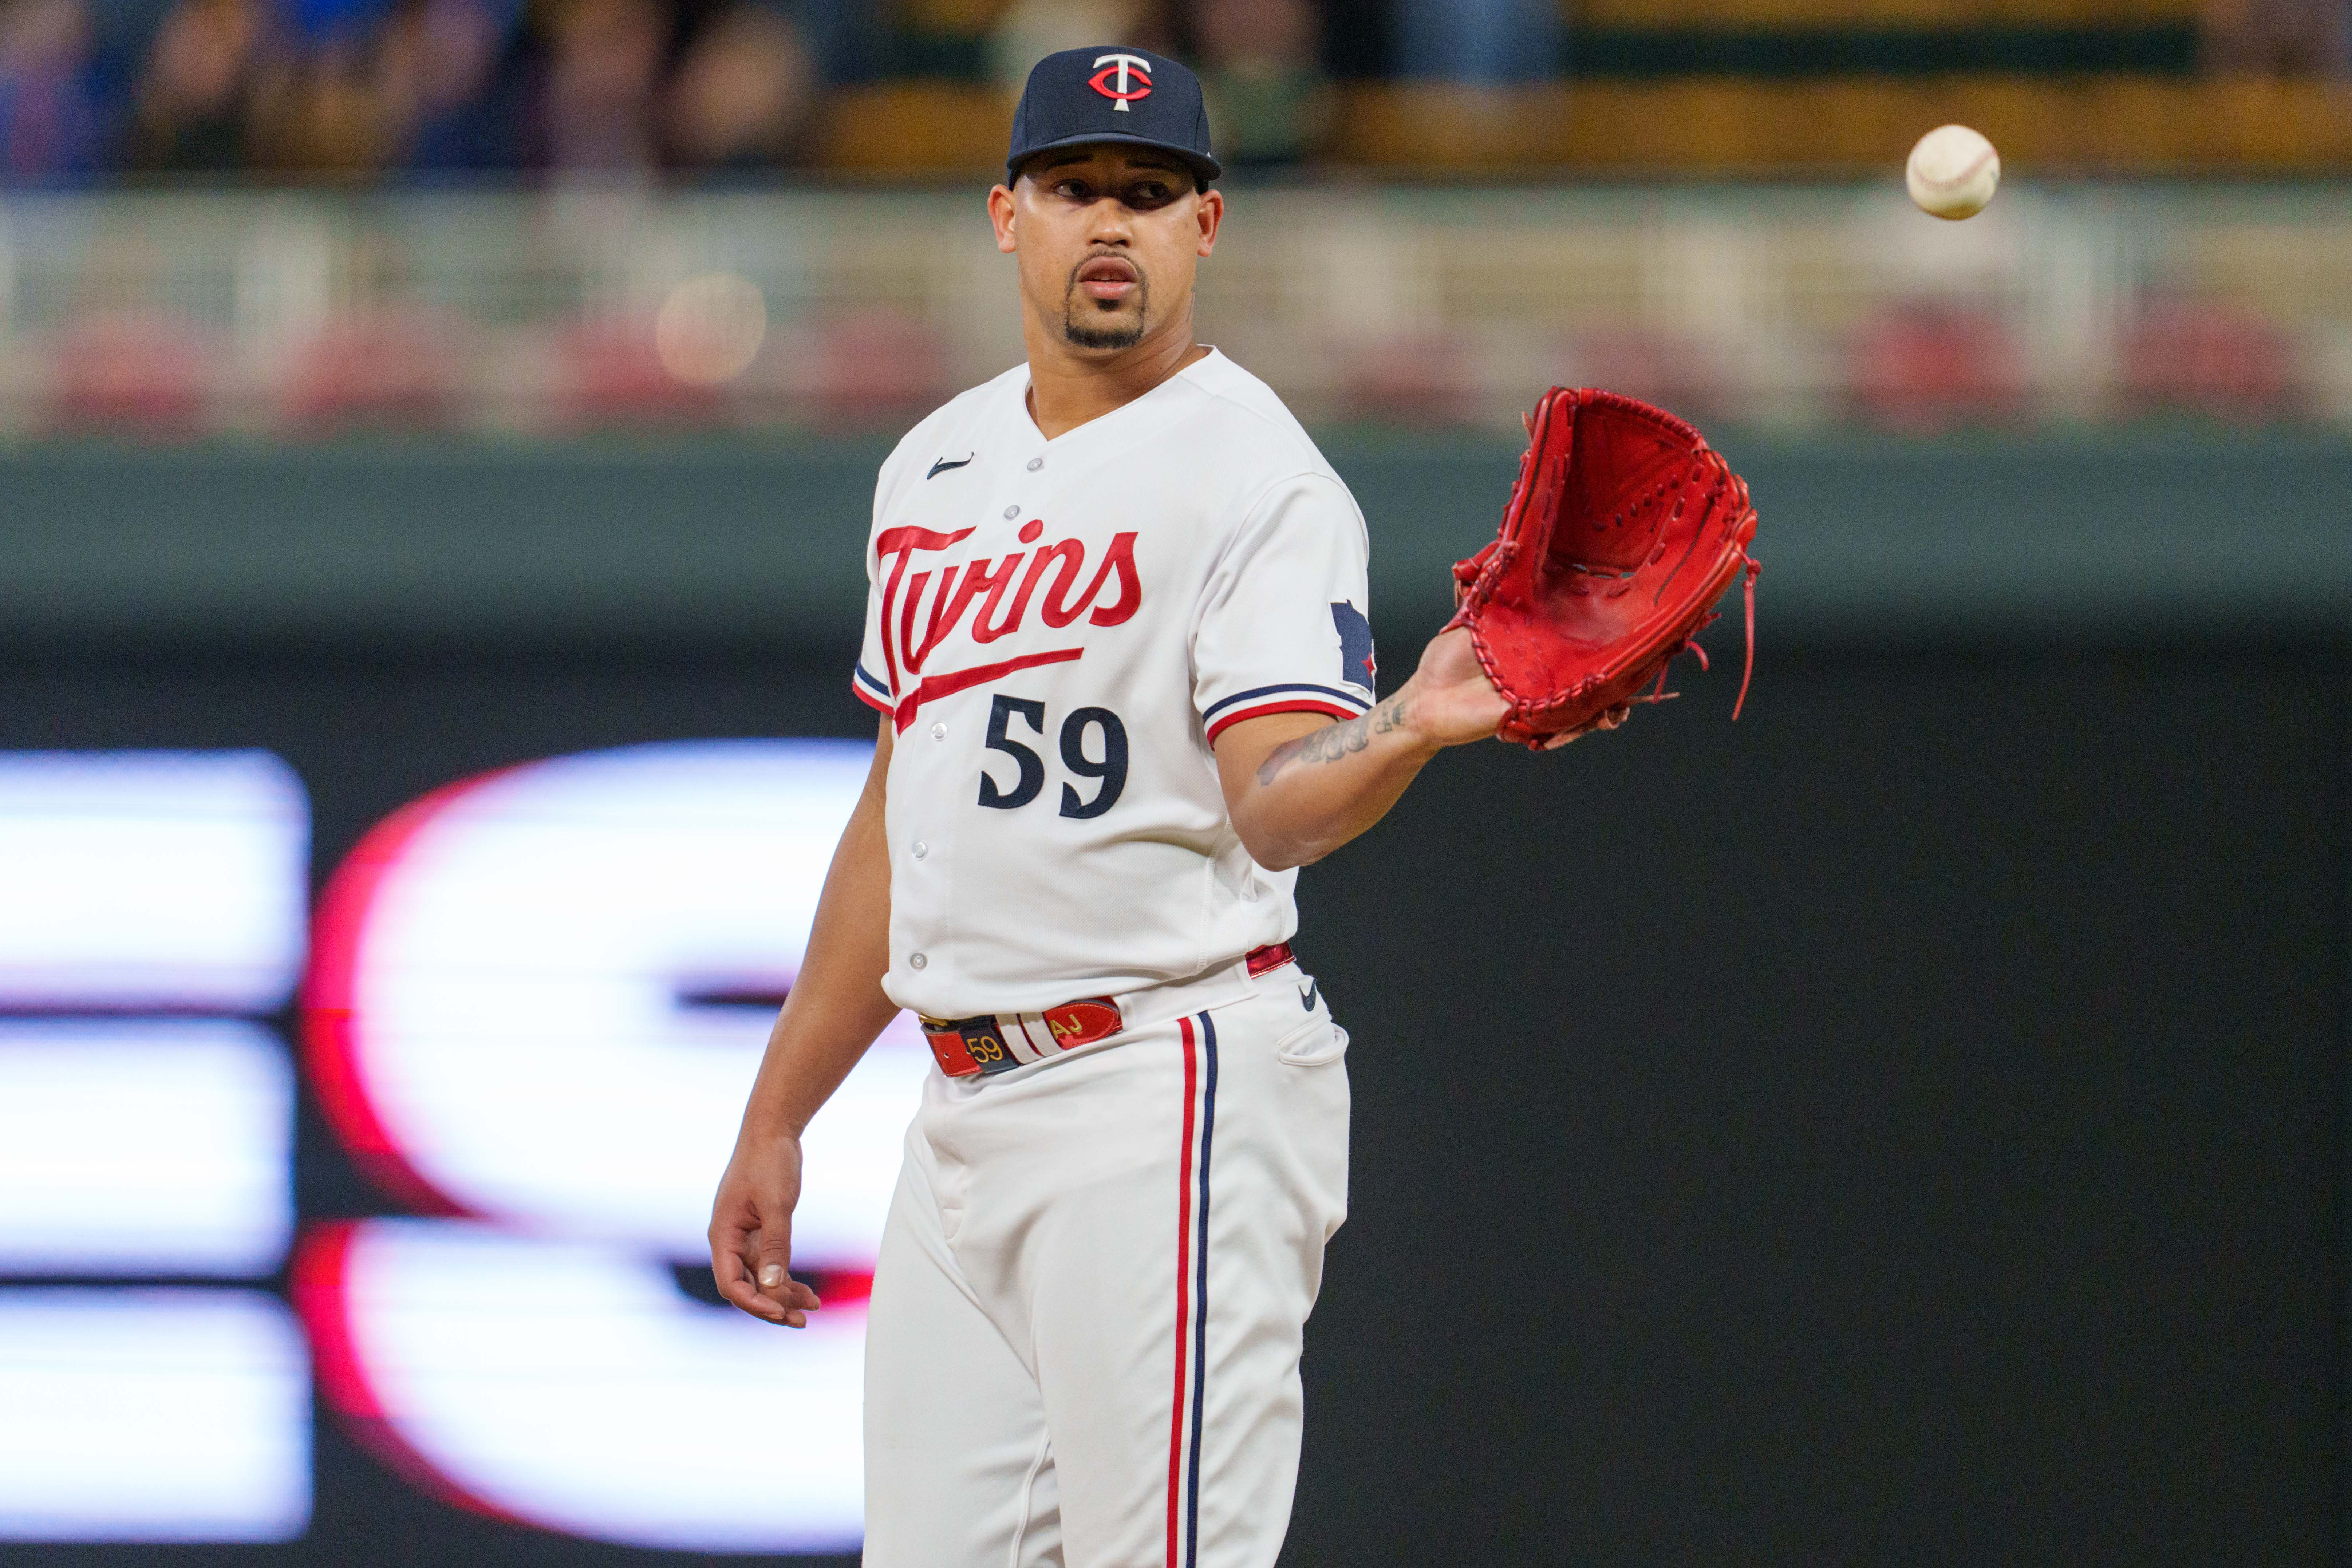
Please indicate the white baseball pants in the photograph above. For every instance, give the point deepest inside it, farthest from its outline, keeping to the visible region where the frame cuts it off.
(1083, 1345)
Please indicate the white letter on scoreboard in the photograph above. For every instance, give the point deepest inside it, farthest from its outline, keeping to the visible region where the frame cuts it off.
(509, 1017)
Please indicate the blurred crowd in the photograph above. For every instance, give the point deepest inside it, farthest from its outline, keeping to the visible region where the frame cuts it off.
(434, 91)
(2277, 38)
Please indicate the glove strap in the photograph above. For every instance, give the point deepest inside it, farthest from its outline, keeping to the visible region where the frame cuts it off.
(1749, 591)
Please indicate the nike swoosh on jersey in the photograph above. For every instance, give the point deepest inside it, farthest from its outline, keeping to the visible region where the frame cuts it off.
(1307, 997)
(942, 465)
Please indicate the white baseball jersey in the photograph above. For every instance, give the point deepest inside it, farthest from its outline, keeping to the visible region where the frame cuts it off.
(1059, 630)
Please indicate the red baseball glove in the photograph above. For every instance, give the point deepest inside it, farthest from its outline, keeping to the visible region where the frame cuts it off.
(1625, 528)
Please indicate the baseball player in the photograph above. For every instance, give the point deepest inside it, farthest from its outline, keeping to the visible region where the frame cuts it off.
(1115, 629)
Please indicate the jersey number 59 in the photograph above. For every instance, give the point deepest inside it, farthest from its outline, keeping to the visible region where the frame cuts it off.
(1112, 769)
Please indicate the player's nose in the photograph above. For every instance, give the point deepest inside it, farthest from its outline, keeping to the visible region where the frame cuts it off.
(1109, 221)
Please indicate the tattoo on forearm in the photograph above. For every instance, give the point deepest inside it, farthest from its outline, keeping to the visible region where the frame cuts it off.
(1333, 741)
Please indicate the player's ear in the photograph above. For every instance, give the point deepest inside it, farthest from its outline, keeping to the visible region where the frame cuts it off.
(1208, 212)
(999, 217)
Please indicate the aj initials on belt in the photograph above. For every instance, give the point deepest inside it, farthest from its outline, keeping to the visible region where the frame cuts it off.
(999, 1042)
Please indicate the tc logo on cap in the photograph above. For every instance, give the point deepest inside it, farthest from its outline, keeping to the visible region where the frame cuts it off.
(1129, 69)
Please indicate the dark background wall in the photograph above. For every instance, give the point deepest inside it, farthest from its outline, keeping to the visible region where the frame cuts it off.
(1906, 1126)
(1906, 1129)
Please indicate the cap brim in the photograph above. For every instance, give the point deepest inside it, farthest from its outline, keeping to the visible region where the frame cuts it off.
(1205, 169)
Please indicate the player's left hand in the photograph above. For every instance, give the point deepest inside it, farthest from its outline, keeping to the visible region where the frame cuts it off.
(1608, 720)
(1451, 702)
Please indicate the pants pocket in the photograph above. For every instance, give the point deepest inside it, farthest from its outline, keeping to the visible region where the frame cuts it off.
(1314, 1044)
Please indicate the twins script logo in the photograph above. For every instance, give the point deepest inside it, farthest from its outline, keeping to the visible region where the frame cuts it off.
(1129, 69)
(909, 636)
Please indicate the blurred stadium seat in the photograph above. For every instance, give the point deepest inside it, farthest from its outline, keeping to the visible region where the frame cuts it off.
(610, 376)
(1422, 378)
(139, 372)
(1926, 366)
(1672, 370)
(864, 368)
(396, 369)
(2210, 358)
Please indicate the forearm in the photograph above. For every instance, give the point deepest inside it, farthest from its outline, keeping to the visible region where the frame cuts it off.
(1314, 792)
(836, 1005)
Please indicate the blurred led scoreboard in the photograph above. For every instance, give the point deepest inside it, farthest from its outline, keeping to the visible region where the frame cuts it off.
(520, 1005)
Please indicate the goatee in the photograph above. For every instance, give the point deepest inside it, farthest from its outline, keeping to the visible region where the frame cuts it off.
(1109, 336)
(1125, 337)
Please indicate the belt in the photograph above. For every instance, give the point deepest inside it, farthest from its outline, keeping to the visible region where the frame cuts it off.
(999, 1042)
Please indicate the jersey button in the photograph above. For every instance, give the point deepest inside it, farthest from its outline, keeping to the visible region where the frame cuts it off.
(921, 848)
(916, 961)
(1013, 510)
(1036, 464)
(938, 732)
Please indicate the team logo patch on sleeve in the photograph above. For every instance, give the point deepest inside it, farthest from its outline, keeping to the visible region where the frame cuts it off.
(1356, 666)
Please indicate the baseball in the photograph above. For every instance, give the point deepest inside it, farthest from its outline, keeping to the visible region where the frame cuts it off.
(1952, 172)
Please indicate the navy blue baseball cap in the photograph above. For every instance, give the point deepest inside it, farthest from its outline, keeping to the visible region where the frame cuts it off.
(1112, 94)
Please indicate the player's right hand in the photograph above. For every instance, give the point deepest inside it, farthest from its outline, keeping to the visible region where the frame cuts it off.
(752, 1230)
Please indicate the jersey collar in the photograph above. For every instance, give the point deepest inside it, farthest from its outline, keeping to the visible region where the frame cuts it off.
(1028, 423)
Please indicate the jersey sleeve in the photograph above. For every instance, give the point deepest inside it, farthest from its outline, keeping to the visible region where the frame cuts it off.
(1282, 627)
(870, 677)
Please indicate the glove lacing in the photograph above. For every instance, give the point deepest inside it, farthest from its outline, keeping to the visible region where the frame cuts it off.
(1690, 645)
